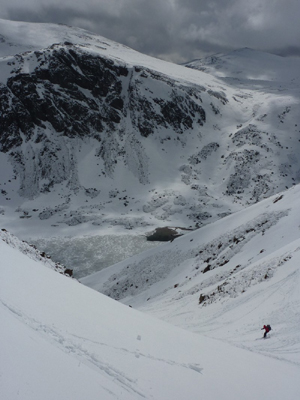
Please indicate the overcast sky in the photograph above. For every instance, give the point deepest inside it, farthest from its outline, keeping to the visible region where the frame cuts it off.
(175, 30)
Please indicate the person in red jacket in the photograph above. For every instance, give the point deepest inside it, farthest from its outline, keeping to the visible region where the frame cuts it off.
(267, 329)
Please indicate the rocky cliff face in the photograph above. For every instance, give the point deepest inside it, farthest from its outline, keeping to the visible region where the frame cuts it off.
(102, 140)
(56, 98)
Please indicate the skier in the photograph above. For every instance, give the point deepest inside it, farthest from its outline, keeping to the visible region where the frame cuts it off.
(267, 329)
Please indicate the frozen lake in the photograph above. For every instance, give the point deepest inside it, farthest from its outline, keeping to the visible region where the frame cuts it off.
(89, 254)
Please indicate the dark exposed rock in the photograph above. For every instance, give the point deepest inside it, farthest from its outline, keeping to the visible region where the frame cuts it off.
(163, 235)
(203, 298)
(68, 272)
(70, 94)
(15, 119)
(219, 95)
(206, 269)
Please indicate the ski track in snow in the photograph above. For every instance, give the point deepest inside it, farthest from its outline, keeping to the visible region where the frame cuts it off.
(77, 346)
(77, 349)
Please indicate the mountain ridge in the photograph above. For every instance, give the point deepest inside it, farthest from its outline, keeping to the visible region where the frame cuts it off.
(97, 138)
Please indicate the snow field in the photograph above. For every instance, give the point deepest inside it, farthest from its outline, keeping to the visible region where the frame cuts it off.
(61, 340)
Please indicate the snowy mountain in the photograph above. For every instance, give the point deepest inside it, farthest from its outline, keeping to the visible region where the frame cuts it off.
(225, 280)
(99, 145)
(249, 67)
(98, 138)
(62, 340)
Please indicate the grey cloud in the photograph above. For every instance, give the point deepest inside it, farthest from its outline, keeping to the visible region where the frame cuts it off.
(176, 30)
(291, 51)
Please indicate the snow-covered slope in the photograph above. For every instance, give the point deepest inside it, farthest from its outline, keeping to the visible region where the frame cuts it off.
(33, 253)
(98, 138)
(61, 340)
(248, 66)
(226, 279)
